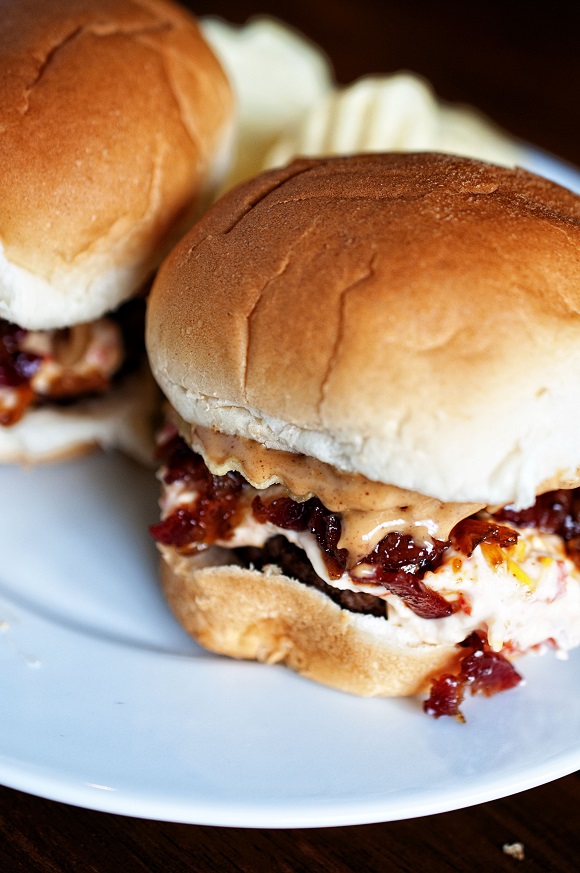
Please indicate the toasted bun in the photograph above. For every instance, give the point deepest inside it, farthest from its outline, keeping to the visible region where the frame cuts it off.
(414, 318)
(275, 619)
(114, 115)
(123, 419)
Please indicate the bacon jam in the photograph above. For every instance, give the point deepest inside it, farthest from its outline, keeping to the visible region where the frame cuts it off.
(397, 563)
(38, 367)
(482, 671)
(206, 509)
(215, 511)
(17, 367)
(556, 512)
(219, 502)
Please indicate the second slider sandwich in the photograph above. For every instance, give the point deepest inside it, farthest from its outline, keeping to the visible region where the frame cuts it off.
(115, 116)
(371, 471)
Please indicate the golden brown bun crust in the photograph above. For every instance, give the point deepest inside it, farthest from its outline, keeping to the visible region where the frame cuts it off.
(111, 112)
(274, 619)
(383, 313)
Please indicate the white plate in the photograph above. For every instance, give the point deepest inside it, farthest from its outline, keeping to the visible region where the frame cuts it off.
(107, 704)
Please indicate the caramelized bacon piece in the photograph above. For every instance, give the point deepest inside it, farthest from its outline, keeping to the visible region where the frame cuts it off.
(310, 515)
(556, 512)
(446, 697)
(181, 464)
(16, 370)
(213, 514)
(471, 532)
(16, 367)
(181, 529)
(399, 565)
(397, 551)
(326, 528)
(485, 671)
(553, 512)
(63, 365)
(424, 602)
(482, 670)
(283, 512)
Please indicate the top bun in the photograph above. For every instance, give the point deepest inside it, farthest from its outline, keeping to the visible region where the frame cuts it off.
(113, 116)
(411, 317)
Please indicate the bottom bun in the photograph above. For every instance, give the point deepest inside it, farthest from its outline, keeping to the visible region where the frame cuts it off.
(124, 419)
(269, 617)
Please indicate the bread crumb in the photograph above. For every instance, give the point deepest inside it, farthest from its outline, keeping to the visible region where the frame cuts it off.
(271, 570)
(515, 850)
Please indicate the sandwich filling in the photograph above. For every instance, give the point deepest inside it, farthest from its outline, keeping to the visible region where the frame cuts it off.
(40, 367)
(511, 577)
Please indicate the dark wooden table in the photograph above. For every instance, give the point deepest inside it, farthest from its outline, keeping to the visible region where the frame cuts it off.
(523, 69)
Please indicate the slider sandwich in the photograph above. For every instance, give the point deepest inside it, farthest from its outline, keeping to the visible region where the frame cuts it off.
(115, 120)
(370, 469)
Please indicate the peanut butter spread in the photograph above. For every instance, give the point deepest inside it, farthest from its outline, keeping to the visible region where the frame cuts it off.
(369, 510)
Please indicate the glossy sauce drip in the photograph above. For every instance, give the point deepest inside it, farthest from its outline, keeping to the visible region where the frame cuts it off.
(396, 563)
(482, 670)
(369, 510)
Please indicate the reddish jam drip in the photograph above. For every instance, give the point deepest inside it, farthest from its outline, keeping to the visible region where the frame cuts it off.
(215, 512)
(489, 672)
(471, 532)
(482, 670)
(180, 529)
